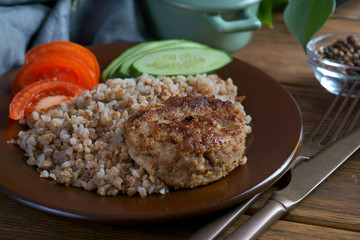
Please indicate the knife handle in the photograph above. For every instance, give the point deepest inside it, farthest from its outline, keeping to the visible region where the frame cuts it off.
(259, 222)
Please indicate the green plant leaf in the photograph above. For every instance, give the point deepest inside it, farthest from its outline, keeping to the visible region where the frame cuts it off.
(305, 17)
(265, 12)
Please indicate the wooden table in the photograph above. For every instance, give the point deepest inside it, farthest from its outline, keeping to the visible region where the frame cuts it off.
(332, 211)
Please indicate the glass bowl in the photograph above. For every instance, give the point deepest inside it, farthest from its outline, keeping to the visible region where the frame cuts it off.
(332, 74)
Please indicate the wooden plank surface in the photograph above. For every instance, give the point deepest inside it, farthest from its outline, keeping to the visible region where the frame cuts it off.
(332, 211)
(297, 231)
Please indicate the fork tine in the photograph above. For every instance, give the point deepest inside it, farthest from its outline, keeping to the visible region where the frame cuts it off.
(337, 114)
(347, 116)
(354, 121)
(318, 126)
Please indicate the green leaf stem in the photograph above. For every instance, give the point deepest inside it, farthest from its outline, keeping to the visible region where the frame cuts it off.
(266, 9)
(265, 12)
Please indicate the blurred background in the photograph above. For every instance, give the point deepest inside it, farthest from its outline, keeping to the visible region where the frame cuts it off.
(27, 23)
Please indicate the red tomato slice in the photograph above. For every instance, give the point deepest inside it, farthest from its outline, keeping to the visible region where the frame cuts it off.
(26, 100)
(65, 47)
(61, 66)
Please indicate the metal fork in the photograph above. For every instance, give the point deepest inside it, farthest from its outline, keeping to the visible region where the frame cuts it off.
(321, 136)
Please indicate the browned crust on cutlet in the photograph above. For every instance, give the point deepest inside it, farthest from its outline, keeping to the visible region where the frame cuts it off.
(187, 141)
(193, 132)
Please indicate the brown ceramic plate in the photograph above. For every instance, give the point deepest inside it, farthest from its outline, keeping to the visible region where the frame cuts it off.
(277, 133)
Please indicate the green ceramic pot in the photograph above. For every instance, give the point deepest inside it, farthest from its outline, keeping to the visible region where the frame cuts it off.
(222, 24)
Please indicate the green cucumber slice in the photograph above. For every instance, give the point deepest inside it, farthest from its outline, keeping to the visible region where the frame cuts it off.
(181, 61)
(146, 46)
(126, 69)
(112, 69)
(114, 64)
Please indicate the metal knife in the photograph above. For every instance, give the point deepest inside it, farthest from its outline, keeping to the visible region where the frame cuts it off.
(304, 179)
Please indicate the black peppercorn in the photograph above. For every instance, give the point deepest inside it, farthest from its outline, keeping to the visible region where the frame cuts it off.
(343, 51)
(189, 118)
(351, 39)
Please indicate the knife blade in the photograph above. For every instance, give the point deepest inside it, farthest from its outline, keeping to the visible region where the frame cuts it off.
(304, 179)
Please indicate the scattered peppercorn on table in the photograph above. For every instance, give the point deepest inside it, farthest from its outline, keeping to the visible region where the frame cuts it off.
(332, 211)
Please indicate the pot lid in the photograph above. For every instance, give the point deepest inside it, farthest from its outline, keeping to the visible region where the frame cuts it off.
(211, 5)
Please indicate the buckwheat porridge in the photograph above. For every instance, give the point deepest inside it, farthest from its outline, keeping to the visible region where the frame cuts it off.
(83, 144)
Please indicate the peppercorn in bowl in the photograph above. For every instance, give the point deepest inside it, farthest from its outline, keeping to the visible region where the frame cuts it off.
(335, 59)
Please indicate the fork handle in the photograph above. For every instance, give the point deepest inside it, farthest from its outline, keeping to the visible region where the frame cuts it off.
(259, 222)
(214, 228)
